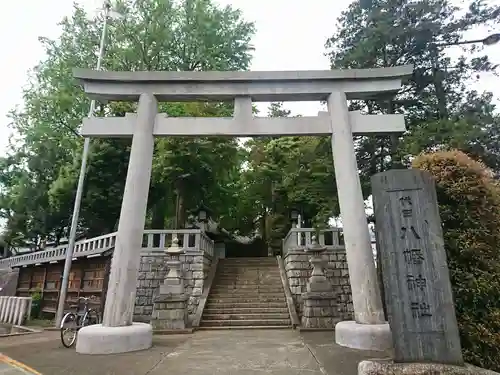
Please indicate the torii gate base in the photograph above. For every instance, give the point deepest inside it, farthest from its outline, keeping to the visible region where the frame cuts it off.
(118, 334)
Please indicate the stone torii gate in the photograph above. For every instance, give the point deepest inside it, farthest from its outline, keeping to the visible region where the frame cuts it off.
(118, 333)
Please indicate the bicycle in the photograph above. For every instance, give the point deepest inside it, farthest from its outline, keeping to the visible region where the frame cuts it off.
(73, 321)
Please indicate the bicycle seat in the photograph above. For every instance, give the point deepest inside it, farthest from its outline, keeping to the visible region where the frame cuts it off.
(73, 306)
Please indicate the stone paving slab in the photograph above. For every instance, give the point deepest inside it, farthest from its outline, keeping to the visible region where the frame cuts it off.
(226, 352)
(335, 359)
(241, 352)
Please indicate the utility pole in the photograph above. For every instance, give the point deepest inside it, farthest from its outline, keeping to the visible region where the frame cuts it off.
(438, 75)
(107, 12)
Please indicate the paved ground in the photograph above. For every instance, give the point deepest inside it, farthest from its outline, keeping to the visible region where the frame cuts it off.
(9, 366)
(236, 352)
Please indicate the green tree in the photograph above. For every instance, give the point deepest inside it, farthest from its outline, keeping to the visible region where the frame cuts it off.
(381, 33)
(283, 172)
(38, 177)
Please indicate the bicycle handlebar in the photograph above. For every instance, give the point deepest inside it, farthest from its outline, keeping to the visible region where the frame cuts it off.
(86, 299)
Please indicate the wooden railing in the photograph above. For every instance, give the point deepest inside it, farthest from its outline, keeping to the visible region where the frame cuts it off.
(299, 238)
(153, 240)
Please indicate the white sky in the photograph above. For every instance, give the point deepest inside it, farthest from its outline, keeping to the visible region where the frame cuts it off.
(290, 36)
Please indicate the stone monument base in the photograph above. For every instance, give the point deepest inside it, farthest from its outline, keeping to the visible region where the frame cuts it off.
(97, 339)
(388, 367)
(363, 336)
(170, 312)
(319, 310)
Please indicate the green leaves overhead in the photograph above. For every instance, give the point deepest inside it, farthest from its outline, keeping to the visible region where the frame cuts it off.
(40, 179)
(440, 108)
(252, 185)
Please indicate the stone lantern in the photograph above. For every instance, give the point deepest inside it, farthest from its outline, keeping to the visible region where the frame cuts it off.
(170, 311)
(174, 281)
(320, 303)
(203, 214)
(318, 281)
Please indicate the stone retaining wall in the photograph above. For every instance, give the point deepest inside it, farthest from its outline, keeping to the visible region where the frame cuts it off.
(152, 272)
(298, 270)
(8, 281)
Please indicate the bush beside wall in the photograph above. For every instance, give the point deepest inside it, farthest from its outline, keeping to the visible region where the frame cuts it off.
(469, 203)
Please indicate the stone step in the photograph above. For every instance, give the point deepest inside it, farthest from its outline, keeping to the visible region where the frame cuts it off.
(255, 322)
(218, 289)
(246, 287)
(248, 275)
(246, 310)
(248, 266)
(255, 300)
(210, 328)
(269, 297)
(241, 276)
(264, 277)
(214, 305)
(248, 294)
(256, 316)
(248, 259)
(247, 272)
(246, 283)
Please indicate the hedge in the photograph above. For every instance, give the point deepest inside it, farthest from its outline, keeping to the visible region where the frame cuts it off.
(469, 203)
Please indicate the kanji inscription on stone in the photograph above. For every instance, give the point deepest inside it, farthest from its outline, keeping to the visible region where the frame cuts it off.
(414, 267)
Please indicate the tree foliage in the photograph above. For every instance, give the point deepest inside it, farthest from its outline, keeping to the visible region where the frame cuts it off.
(40, 172)
(469, 203)
(441, 110)
(250, 186)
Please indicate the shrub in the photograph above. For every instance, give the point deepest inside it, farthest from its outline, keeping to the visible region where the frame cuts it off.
(469, 203)
(36, 301)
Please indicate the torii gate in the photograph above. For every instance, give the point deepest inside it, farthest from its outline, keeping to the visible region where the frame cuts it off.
(333, 86)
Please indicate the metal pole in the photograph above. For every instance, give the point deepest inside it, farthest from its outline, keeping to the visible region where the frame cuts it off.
(79, 190)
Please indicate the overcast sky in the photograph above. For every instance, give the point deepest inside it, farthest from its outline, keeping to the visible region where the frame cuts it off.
(290, 36)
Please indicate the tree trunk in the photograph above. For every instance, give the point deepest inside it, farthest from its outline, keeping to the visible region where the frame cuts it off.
(396, 162)
(158, 214)
(182, 212)
(438, 78)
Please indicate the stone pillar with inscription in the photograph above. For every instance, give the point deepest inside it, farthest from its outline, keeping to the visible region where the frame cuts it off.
(170, 308)
(320, 302)
(416, 278)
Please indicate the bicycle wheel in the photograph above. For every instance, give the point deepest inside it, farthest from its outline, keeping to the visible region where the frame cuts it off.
(69, 329)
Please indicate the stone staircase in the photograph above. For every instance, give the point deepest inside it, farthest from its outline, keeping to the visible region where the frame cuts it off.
(246, 293)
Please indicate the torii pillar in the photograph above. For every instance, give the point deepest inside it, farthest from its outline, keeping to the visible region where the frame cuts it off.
(118, 333)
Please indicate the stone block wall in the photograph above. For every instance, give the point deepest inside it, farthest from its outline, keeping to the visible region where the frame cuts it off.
(8, 281)
(196, 266)
(298, 270)
(152, 272)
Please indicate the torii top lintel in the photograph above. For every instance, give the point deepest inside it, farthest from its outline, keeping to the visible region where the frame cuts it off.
(307, 85)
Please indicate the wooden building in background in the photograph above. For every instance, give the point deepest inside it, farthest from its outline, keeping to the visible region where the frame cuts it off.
(88, 277)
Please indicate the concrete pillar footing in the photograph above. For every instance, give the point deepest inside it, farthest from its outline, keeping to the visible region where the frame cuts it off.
(363, 336)
(97, 339)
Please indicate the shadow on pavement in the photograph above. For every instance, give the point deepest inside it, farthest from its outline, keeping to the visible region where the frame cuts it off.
(45, 353)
